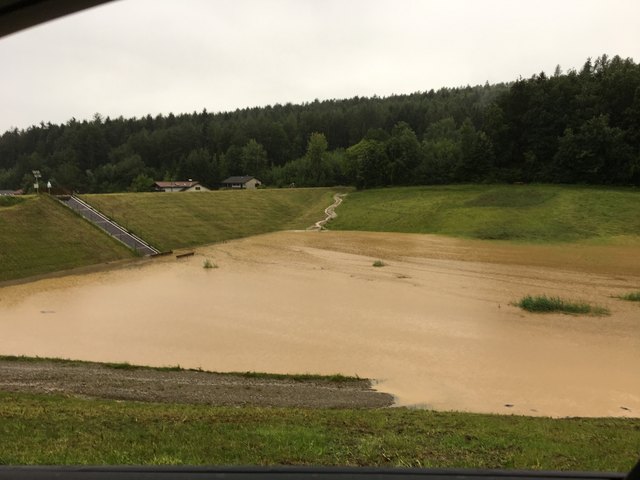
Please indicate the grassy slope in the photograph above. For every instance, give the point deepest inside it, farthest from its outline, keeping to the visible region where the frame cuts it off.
(36, 429)
(38, 235)
(538, 213)
(171, 221)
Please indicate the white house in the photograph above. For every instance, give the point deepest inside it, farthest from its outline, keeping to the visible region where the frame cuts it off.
(244, 181)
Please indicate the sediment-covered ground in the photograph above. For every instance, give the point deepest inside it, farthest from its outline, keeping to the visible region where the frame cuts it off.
(184, 386)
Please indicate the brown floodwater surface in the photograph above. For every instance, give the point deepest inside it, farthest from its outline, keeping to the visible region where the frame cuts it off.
(436, 326)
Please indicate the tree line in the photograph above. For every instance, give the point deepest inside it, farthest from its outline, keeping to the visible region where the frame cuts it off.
(582, 126)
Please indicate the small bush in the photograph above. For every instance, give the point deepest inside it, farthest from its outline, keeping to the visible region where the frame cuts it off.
(379, 263)
(209, 264)
(544, 304)
(631, 297)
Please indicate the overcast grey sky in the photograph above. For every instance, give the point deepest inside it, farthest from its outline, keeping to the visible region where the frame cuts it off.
(134, 57)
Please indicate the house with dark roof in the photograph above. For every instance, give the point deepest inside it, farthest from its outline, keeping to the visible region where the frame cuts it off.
(179, 186)
(244, 181)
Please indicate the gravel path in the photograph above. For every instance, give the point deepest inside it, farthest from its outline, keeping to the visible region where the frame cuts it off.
(148, 385)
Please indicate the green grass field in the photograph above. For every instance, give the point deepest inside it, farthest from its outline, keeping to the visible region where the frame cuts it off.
(38, 235)
(39, 429)
(170, 221)
(529, 213)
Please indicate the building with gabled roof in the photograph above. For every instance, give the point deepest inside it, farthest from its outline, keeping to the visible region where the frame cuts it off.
(243, 181)
(179, 186)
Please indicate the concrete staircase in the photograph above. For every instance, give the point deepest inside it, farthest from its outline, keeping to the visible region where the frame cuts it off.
(108, 225)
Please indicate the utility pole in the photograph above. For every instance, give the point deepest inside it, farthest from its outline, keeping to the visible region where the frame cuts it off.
(37, 175)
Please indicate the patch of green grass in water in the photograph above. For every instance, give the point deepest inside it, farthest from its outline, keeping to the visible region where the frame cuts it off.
(544, 304)
(54, 430)
(631, 297)
(207, 264)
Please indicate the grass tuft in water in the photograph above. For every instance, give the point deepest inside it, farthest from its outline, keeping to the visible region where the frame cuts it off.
(209, 264)
(631, 297)
(544, 304)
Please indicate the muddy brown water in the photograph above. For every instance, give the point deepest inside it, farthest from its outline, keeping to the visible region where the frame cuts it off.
(435, 327)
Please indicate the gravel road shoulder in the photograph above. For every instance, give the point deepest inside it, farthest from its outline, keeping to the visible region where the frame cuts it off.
(184, 386)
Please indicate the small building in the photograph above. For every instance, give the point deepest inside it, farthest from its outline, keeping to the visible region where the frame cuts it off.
(179, 186)
(244, 181)
(11, 192)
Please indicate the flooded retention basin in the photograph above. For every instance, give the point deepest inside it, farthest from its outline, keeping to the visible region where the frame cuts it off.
(436, 326)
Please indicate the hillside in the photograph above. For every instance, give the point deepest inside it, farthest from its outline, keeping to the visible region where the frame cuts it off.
(580, 127)
(170, 221)
(531, 213)
(38, 235)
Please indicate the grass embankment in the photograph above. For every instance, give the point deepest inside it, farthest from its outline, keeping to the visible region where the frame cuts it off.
(531, 213)
(38, 235)
(38, 429)
(544, 304)
(170, 221)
